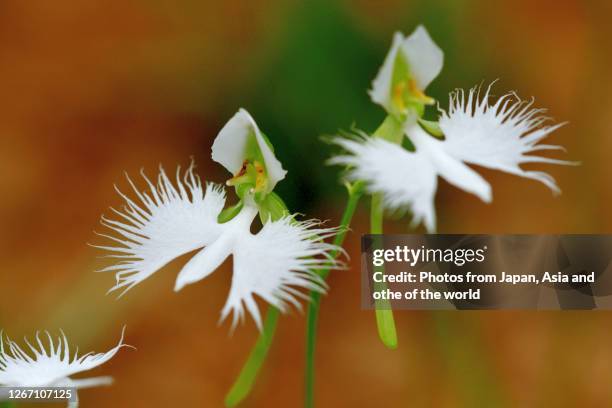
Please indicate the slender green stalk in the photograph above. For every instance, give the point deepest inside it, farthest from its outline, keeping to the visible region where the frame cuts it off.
(384, 313)
(312, 314)
(243, 385)
(391, 130)
(311, 340)
(376, 215)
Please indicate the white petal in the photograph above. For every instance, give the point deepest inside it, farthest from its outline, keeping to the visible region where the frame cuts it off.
(275, 263)
(229, 147)
(450, 168)
(381, 86)
(205, 262)
(498, 136)
(406, 179)
(424, 56)
(91, 382)
(45, 364)
(169, 221)
(210, 258)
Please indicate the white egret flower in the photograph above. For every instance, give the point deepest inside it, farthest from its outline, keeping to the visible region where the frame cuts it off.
(498, 136)
(409, 67)
(50, 365)
(172, 220)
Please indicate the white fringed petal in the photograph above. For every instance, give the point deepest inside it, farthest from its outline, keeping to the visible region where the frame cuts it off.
(49, 364)
(406, 179)
(422, 54)
(169, 221)
(448, 167)
(498, 136)
(229, 147)
(275, 263)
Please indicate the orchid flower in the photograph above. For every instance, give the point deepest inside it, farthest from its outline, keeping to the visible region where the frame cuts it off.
(172, 219)
(474, 130)
(50, 365)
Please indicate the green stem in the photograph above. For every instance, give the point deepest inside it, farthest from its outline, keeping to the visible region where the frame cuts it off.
(384, 313)
(312, 314)
(376, 215)
(243, 385)
(311, 340)
(391, 130)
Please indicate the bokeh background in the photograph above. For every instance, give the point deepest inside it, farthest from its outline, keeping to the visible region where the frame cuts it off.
(93, 89)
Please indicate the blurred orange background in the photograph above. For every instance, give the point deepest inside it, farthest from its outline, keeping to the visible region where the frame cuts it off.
(93, 89)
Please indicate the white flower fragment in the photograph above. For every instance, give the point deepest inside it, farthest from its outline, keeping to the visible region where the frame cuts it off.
(498, 136)
(50, 363)
(170, 220)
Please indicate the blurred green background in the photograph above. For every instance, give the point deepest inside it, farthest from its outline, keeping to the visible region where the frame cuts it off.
(93, 89)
